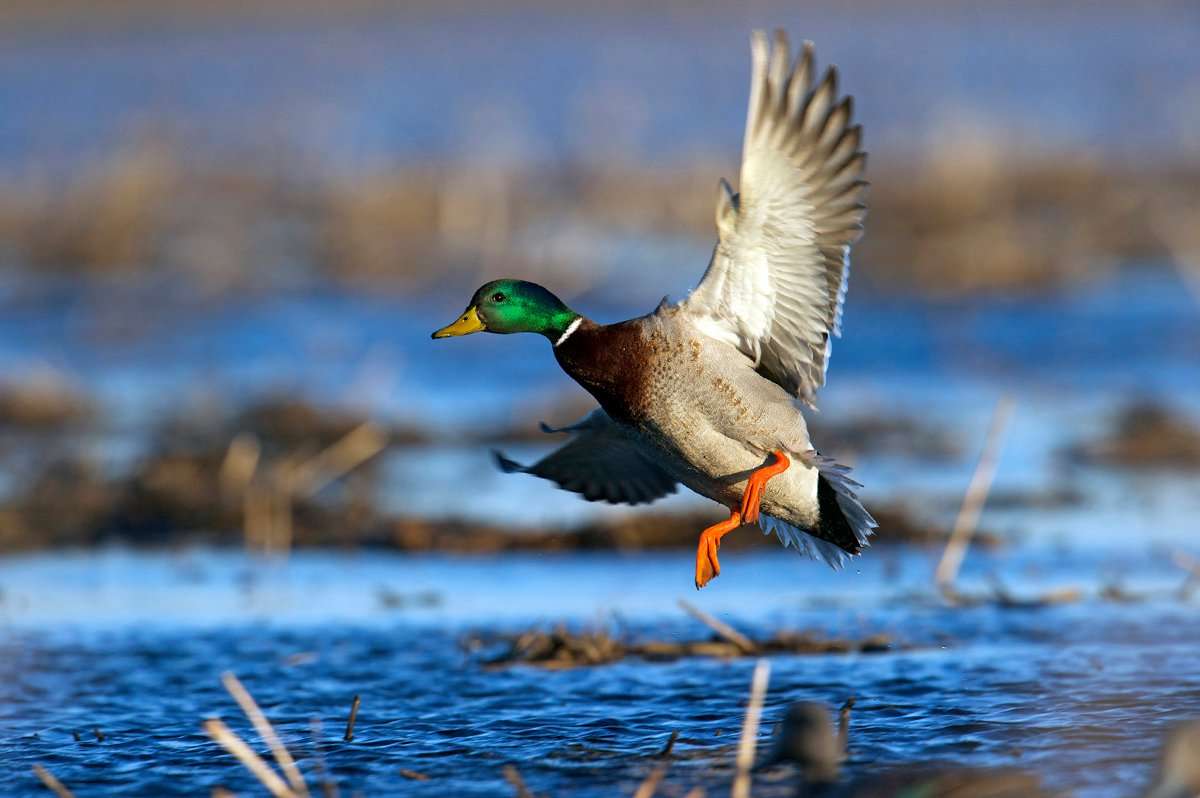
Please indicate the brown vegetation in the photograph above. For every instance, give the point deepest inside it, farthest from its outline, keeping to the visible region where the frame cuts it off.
(282, 472)
(273, 486)
(176, 496)
(1144, 435)
(561, 648)
(42, 403)
(959, 222)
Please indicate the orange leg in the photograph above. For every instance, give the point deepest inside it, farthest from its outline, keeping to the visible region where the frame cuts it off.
(707, 566)
(752, 496)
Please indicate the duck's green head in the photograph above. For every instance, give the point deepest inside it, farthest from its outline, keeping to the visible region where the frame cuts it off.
(512, 306)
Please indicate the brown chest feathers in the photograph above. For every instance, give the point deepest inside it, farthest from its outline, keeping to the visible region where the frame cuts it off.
(610, 362)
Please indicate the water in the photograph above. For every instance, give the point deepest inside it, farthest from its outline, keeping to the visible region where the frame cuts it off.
(133, 644)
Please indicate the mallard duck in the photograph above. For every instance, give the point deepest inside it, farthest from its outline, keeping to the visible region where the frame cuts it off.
(704, 392)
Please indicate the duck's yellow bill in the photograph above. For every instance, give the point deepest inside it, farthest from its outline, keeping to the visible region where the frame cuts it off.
(467, 324)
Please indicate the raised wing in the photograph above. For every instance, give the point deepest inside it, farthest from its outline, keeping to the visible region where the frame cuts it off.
(600, 463)
(777, 279)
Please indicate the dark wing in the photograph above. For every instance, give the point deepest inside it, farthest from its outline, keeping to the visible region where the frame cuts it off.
(601, 463)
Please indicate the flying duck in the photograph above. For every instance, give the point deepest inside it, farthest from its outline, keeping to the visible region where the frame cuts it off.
(706, 392)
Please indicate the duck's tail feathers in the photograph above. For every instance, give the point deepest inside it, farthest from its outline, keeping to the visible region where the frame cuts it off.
(804, 542)
(843, 527)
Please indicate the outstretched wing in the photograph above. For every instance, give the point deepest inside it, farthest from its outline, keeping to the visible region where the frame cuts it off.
(777, 279)
(600, 463)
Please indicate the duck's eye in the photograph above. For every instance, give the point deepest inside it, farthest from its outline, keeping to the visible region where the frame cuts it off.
(497, 297)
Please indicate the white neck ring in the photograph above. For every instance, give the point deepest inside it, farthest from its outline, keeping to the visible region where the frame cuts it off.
(572, 327)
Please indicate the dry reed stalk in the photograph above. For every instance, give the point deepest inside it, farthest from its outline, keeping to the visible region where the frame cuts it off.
(267, 511)
(513, 777)
(282, 526)
(695, 792)
(413, 775)
(252, 761)
(52, 783)
(354, 448)
(267, 518)
(239, 465)
(349, 735)
(749, 740)
(266, 731)
(727, 632)
(974, 499)
(650, 786)
(256, 517)
(670, 746)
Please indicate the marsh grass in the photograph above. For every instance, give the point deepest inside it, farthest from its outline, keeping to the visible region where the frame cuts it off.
(974, 499)
(951, 223)
(294, 786)
(562, 648)
(52, 783)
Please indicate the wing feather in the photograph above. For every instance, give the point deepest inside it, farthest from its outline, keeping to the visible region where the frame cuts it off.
(600, 463)
(778, 275)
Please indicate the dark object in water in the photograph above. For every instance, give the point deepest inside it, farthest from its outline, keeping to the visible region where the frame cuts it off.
(352, 720)
(806, 738)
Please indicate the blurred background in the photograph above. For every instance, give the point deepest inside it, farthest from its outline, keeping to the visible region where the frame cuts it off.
(227, 229)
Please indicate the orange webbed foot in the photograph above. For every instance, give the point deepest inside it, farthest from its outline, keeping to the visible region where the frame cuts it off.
(708, 567)
(752, 496)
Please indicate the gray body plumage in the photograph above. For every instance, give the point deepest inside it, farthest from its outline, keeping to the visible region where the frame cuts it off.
(719, 419)
(712, 421)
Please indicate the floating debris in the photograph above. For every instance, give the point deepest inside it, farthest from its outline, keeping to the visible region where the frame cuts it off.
(413, 775)
(513, 777)
(52, 783)
(421, 599)
(561, 648)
